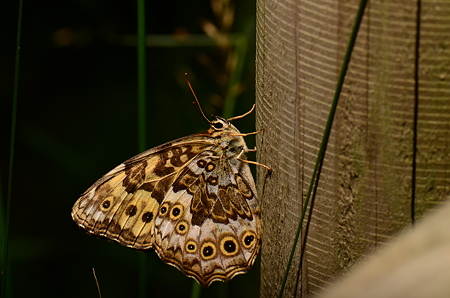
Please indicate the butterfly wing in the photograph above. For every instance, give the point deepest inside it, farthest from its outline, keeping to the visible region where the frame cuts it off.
(122, 204)
(192, 199)
(208, 225)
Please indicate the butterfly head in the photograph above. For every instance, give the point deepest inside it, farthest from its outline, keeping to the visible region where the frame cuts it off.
(230, 141)
(221, 125)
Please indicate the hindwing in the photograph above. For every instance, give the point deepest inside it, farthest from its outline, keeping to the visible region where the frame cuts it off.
(208, 225)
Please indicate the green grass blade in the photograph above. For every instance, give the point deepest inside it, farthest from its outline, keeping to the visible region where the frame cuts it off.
(416, 112)
(326, 134)
(5, 215)
(142, 123)
(240, 50)
(195, 290)
(141, 46)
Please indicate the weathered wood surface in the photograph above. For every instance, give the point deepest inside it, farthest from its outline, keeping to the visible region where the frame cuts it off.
(364, 195)
(415, 266)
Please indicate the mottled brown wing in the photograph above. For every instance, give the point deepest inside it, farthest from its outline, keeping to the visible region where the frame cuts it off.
(122, 204)
(209, 224)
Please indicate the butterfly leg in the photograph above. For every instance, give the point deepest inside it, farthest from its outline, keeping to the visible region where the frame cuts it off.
(252, 150)
(256, 163)
(246, 134)
(252, 162)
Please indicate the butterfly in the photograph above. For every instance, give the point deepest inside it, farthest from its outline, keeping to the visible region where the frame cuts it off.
(193, 200)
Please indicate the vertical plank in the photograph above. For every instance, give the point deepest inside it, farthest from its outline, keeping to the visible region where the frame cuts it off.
(297, 66)
(364, 195)
(433, 178)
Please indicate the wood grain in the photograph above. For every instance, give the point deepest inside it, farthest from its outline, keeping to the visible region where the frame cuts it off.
(364, 195)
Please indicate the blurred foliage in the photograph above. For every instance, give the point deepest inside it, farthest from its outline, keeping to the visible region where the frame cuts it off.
(77, 120)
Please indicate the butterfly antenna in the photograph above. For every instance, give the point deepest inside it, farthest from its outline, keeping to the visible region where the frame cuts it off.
(196, 103)
(242, 116)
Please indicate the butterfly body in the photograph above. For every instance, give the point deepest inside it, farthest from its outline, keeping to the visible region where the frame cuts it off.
(193, 200)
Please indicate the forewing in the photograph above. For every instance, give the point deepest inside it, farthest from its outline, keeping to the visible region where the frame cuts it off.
(122, 204)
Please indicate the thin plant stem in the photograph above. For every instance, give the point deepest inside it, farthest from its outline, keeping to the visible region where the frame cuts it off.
(5, 219)
(97, 283)
(196, 289)
(235, 77)
(141, 76)
(326, 134)
(141, 110)
(416, 113)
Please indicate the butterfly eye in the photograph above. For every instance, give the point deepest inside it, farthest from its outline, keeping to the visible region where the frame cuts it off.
(217, 125)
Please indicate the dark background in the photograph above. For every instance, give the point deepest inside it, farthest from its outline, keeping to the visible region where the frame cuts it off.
(77, 119)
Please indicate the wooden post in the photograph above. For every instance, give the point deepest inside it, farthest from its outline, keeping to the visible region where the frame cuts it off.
(365, 192)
